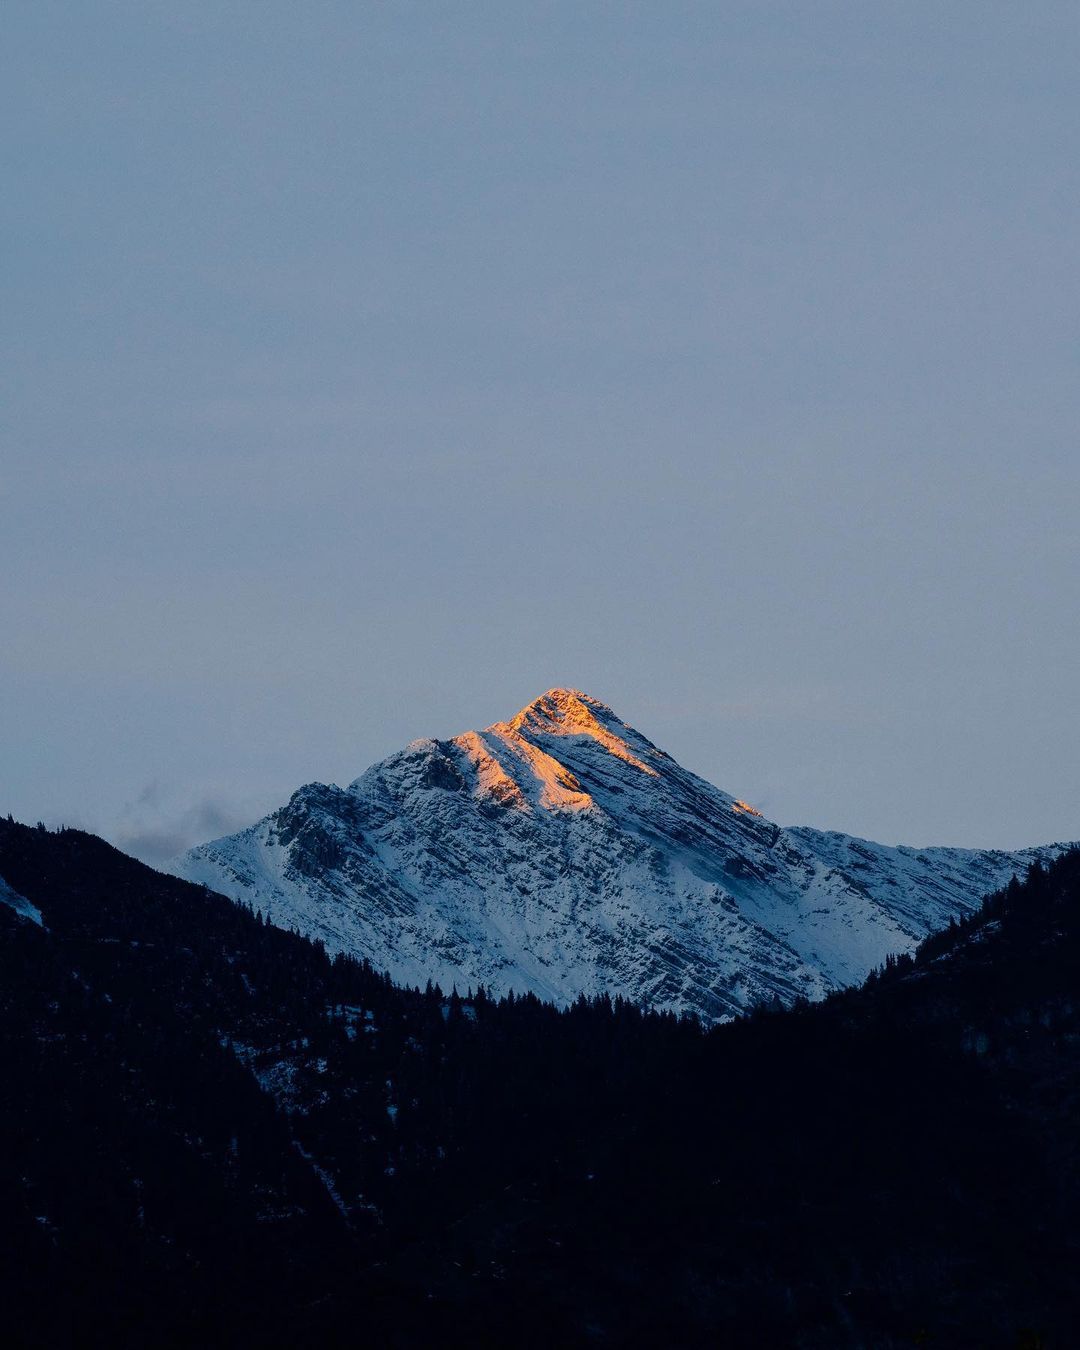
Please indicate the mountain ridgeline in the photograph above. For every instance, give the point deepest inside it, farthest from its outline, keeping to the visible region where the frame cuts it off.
(561, 853)
(212, 1130)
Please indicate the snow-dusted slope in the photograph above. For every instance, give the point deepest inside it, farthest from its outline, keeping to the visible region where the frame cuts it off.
(563, 853)
(19, 904)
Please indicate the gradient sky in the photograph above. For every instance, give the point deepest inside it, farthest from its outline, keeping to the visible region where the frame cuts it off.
(370, 367)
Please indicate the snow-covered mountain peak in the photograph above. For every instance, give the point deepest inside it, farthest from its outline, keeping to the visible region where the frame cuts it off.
(562, 852)
(558, 705)
(561, 713)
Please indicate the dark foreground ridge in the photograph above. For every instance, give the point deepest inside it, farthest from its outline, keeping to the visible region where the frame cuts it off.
(209, 1131)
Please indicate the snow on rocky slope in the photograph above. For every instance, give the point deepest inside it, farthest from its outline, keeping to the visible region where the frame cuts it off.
(19, 904)
(563, 853)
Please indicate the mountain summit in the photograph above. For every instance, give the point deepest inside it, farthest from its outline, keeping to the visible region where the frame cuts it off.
(562, 853)
(517, 761)
(569, 712)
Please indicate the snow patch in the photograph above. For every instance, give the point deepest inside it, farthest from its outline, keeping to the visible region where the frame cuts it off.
(20, 904)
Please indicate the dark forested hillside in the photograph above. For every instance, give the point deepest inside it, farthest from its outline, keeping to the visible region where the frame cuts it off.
(209, 1130)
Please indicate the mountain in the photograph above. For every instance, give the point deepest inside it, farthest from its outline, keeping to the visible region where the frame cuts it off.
(562, 853)
(212, 1131)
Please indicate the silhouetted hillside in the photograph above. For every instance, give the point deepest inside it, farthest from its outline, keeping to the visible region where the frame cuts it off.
(211, 1130)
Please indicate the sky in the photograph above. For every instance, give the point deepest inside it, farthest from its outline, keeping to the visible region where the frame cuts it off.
(369, 368)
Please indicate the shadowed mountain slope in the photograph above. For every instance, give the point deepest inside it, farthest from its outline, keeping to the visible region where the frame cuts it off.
(210, 1130)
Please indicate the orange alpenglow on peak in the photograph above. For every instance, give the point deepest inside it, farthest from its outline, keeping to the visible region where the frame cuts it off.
(558, 705)
(744, 808)
(569, 712)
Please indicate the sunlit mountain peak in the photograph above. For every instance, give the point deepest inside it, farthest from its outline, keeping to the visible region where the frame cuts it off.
(559, 705)
(570, 712)
(563, 853)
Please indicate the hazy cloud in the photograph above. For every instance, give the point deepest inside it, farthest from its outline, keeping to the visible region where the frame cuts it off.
(155, 827)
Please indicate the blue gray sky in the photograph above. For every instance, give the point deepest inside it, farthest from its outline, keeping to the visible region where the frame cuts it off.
(370, 367)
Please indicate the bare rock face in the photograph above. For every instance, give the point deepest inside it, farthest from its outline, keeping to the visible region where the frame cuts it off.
(562, 853)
